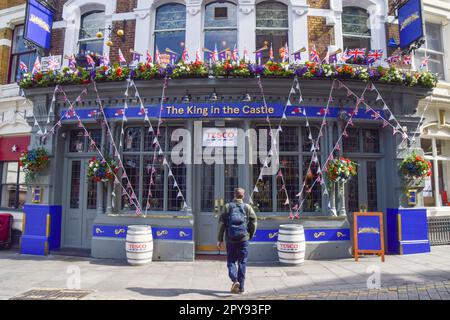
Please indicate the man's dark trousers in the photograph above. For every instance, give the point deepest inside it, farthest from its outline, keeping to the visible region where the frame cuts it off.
(237, 253)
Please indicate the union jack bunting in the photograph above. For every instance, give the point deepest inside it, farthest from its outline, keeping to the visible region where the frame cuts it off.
(374, 55)
(314, 56)
(23, 67)
(357, 53)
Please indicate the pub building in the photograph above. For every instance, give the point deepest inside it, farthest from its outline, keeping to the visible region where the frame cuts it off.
(95, 216)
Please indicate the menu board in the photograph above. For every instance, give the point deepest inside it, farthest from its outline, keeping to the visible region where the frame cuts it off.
(368, 234)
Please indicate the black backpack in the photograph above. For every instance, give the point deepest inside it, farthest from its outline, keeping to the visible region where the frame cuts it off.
(237, 222)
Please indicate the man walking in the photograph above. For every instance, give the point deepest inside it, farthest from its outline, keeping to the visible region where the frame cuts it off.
(238, 223)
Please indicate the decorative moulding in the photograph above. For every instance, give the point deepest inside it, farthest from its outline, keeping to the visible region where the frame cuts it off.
(246, 9)
(193, 10)
(300, 10)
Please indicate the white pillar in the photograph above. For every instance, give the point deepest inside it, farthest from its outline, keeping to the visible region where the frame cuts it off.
(246, 19)
(143, 37)
(298, 26)
(437, 192)
(378, 27)
(194, 32)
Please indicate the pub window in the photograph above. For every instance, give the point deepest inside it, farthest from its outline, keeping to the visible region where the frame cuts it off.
(433, 49)
(220, 26)
(361, 140)
(91, 23)
(170, 29)
(295, 157)
(138, 155)
(20, 53)
(355, 28)
(78, 142)
(13, 188)
(272, 27)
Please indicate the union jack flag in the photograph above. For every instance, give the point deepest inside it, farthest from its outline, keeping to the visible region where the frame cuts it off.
(271, 53)
(36, 66)
(72, 62)
(53, 64)
(245, 54)
(285, 53)
(197, 55)
(105, 60)
(121, 57)
(344, 57)
(157, 57)
(357, 53)
(374, 55)
(149, 57)
(393, 59)
(90, 61)
(23, 67)
(425, 62)
(215, 54)
(185, 55)
(407, 60)
(235, 54)
(314, 56)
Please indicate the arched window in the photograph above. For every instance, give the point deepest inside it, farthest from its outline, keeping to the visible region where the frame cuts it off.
(170, 30)
(355, 28)
(91, 23)
(272, 25)
(220, 26)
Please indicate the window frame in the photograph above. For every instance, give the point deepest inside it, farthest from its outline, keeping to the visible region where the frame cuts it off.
(142, 155)
(357, 36)
(13, 54)
(424, 49)
(300, 155)
(92, 39)
(17, 185)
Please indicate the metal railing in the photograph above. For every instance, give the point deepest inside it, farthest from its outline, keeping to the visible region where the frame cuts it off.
(439, 230)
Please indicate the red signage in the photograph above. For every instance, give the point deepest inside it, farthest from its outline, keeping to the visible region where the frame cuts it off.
(12, 147)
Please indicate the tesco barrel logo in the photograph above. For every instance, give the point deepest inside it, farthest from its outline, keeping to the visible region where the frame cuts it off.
(137, 247)
(288, 247)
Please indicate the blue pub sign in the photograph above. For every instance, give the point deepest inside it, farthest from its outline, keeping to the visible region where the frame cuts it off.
(38, 24)
(410, 22)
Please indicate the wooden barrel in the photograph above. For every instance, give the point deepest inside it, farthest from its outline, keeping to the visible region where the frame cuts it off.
(139, 245)
(291, 244)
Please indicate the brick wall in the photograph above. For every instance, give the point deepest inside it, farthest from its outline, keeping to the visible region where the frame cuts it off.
(392, 32)
(319, 4)
(10, 3)
(320, 35)
(124, 44)
(57, 46)
(5, 33)
(125, 5)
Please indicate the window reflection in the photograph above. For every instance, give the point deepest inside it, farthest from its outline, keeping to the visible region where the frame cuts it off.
(170, 32)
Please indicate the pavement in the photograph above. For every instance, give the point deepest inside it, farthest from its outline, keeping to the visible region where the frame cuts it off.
(407, 277)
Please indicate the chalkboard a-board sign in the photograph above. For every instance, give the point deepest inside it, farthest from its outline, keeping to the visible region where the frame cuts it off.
(368, 234)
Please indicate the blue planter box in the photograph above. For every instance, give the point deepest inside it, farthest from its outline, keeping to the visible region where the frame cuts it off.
(407, 231)
(41, 229)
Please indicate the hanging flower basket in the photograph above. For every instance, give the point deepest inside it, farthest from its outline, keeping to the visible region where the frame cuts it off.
(33, 161)
(101, 170)
(341, 169)
(415, 167)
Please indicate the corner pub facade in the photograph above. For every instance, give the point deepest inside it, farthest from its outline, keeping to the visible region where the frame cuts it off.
(94, 219)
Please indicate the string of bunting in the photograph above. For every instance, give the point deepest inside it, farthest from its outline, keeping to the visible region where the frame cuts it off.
(94, 144)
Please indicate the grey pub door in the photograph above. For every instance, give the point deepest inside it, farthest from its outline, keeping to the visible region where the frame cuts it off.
(80, 205)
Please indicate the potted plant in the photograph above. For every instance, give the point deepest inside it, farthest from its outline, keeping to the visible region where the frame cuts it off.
(101, 170)
(33, 161)
(341, 170)
(414, 169)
